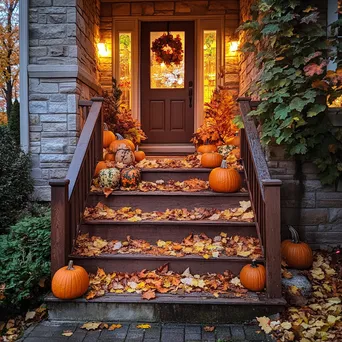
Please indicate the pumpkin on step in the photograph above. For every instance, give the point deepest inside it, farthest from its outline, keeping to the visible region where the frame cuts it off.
(206, 148)
(296, 254)
(110, 156)
(211, 159)
(139, 155)
(124, 155)
(70, 282)
(234, 141)
(223, 179)
(253, 276)
(108, 137)
(130, 177)
(121, 140)
(100, 166)
(109, 178)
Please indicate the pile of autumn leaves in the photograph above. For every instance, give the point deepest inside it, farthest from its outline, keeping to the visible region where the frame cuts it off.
(320, 319)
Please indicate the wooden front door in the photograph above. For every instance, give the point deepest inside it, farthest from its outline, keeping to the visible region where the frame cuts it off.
(167, 103)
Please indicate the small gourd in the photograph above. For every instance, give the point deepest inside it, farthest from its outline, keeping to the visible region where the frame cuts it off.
(100, 166)
(253, 276)
(109, 178)
(124, 155)
(70, 282)
(223, 179)
(139, 155)
(211, 159)
(297, 254)
(130, 177)
(235, 140)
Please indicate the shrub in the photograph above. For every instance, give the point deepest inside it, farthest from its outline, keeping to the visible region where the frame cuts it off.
(24, 261)
(16, 183)
(14, 122)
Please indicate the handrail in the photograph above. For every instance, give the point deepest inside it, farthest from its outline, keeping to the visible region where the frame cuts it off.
(265, 197)
(68, 196)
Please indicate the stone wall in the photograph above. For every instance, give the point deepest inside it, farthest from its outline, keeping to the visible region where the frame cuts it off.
(62, 69)
(230, 8)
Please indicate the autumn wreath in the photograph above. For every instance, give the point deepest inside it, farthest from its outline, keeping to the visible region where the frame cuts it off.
(168, 49)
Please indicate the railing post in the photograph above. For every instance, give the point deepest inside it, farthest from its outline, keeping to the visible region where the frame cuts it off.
(99, 133)
(272, 237)
(60, 229)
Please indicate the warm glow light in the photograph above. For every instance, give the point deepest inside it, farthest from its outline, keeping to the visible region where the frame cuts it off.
(103, 50)
(234, 46)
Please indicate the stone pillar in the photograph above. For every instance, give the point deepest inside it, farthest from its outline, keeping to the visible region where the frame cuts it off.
(62, 69)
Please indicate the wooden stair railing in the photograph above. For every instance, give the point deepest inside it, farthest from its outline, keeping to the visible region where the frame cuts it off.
(265, 197)
(68, 196)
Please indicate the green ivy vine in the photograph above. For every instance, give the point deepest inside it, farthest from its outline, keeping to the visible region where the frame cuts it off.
(292, 51)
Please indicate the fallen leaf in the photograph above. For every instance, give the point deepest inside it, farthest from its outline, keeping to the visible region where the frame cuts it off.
(114, 326)
(149, 295)
(67, 333)
(30, 315)
(264, 323)
(143, 326)
(91, 325)
(209, 328)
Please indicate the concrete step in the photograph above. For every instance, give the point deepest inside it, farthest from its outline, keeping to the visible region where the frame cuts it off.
(161, 200)
(151, 231)
(135, 262)
(189, 308)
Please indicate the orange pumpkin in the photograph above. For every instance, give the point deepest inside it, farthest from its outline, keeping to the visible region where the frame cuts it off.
(100, 166)
(296, 254)
(223, 179)
(235, 140)
(108, 137)
(70, 282)
(206, 148)
(211, 159)
(115, 144)
(253, 276)
(139, 155)
(110, 156)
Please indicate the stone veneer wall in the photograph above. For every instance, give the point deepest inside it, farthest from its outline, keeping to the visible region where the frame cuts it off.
(63, 68)
(315, 210)
(230, 8)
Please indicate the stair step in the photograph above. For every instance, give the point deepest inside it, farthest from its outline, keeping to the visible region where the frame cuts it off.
(162, 200)
(178, 174)
(165, 230)
(135, 262)
(190, 308)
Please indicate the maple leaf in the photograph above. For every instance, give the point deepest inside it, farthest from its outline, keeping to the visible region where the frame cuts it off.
(91, 325)
(149, 295)
(114, 327)
(143, 326)
(264, 324)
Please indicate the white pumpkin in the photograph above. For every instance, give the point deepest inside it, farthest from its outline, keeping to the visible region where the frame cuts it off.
(124, 155)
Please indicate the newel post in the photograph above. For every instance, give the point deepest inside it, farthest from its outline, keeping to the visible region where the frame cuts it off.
(272, 237)
(59, 223)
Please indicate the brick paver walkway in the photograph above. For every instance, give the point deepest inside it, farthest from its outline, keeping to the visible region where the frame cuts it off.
(52, 332)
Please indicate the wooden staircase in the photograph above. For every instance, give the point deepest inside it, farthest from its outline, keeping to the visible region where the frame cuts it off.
(72, 195)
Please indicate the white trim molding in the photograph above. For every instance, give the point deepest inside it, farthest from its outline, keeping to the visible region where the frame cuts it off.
(23, 88)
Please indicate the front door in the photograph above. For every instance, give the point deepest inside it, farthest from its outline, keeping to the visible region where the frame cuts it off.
(167, 108)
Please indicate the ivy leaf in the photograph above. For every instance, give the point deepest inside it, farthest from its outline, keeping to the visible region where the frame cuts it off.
(311, 18)
(270, 29)
(281, 111)
(316, 109)
(298, 104)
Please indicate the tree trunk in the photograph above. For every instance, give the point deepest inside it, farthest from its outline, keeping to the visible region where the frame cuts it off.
(9, 89)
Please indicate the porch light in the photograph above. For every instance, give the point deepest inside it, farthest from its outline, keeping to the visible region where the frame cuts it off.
(103, 50)
(234, 46)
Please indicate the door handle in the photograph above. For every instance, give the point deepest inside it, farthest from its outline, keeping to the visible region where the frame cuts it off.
(190, 93)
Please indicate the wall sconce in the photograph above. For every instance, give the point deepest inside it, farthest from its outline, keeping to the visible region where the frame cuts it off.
(103, 50)
(234, 46)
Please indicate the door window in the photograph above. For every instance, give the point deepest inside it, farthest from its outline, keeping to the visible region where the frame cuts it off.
(167, 76)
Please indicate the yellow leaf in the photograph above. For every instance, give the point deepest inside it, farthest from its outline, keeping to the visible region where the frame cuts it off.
(30, 315)
(264, 324)
(286, 325)
(244, 253)
(67, 333)
(206, 256)
(334, 300)
(143, 326)
(91, 325)
(318, 294)
(114, 326)
(332, 319)
(134, 218)
(245, 205)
